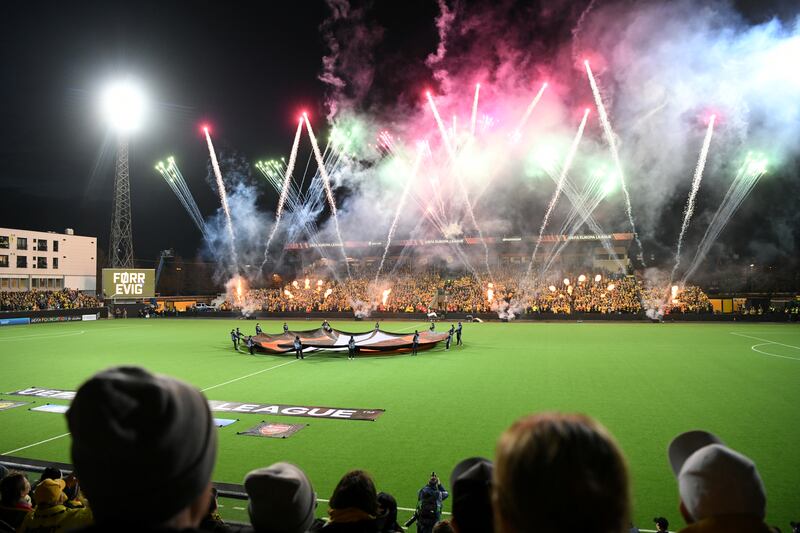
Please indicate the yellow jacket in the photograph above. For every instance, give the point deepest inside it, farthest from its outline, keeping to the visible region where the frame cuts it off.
(55, 519)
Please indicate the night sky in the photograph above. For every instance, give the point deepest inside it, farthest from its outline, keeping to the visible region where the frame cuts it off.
(244, 67)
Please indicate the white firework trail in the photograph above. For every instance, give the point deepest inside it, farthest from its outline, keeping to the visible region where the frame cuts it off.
(326, 181)
(397, 212)
(287, 181)
(612, 145)
(467, 204)
(474, 119)
(223, 198)
(573, 149)
(689, 210)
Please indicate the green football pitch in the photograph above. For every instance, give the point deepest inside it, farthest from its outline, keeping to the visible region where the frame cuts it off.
(645, 382)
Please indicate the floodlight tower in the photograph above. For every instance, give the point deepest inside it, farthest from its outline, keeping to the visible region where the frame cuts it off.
(123, 106)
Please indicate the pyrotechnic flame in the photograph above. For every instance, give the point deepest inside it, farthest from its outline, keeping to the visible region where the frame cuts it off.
(610, 287)
(581, 278)
(327, 293)
(295, 284)
(566, 281)
(307, 283)
(552, 288)
(288, 294)
(385, 297)
(598, 278)
(490, 293)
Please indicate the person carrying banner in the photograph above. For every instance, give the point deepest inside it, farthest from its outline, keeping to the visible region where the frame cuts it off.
(351, 348)
(298, 348)
(250, 344)
(458, 333)
(415, 343)
(235, 339)
(259, 331)
(285, 328)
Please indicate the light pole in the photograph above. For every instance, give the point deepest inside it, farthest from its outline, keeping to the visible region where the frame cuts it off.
(123, 105)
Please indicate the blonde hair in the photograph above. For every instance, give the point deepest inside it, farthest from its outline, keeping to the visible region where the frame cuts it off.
(559, 472)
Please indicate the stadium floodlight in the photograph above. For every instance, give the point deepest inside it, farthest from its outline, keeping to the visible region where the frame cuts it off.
(123, 104)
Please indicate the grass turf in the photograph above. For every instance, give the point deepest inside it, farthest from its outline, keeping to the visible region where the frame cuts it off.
(645, 382)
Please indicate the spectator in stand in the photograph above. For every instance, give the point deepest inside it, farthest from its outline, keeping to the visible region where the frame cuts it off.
(471, 483)
(662, 524)
(15, 501)
(387, 513)
(51, 514)
(720, 489)
(155, 430)
(559, 473)
(50, 472)
(281, 499)
(353, 505)
(212, 522)
(444, 527)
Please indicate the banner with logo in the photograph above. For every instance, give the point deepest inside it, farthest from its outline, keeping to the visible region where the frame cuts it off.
(275, 431)
(297, 410)
(6, 405)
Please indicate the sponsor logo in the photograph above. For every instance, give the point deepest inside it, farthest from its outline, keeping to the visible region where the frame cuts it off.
(275, 431)
(45, 319)
(6, 405)
(336, 413)
(296, 410)
(46, 393)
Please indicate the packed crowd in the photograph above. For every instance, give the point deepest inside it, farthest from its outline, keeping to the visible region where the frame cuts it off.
(551, 472)
(35, 300)
(422, 291)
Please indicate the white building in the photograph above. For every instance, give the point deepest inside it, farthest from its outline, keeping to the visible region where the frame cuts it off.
(46, 260)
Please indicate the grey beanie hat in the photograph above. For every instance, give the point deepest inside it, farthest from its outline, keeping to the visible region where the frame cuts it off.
(282, 499)
(137, 434)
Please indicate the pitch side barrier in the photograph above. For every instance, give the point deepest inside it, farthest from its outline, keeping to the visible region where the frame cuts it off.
(52, 315)
(22, 464)
(492, 317)
(224, 490)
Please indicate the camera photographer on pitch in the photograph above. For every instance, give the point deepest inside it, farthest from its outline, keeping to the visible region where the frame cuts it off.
(429, 505)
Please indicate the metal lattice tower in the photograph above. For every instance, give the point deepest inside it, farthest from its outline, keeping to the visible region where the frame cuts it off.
(120, 252)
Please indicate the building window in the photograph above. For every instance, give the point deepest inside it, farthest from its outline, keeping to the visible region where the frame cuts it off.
(41, 245)
(22, 243)
(41, 262)
(23, 283)
(3, 241)
(55, 246)
(3, 283)
(55, 262)
(22, 261)
(3, 261)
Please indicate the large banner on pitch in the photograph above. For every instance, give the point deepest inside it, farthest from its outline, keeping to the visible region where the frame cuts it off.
(124, 283)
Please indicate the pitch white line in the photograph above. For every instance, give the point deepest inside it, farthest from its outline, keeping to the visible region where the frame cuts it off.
(754, 348)
(249, 375)
(35, 444)
(72, 333)
(767, 342)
